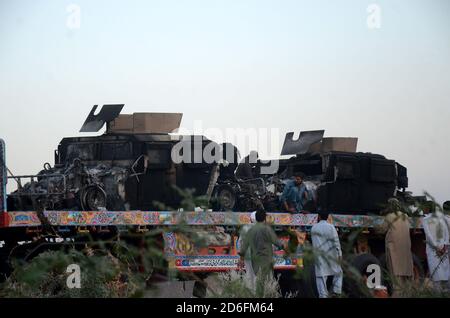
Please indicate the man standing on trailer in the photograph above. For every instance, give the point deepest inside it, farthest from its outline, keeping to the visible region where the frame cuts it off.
(260, 239)
(294, 194)
(327, 248)
(436, 226)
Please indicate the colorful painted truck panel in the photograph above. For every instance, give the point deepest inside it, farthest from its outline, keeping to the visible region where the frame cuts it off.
(180, 252)
(154, 218)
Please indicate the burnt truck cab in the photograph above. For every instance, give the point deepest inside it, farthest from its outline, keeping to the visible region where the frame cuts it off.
(129, 167)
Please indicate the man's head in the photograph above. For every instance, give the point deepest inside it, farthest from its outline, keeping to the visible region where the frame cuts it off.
(393, 206)
(298, 177)
(260, 216)
(323, 216)
(429, 207)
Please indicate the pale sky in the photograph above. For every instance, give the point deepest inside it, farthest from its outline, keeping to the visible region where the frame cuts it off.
(296, 65)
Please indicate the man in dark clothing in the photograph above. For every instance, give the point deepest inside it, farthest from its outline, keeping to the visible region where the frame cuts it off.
(260, 239)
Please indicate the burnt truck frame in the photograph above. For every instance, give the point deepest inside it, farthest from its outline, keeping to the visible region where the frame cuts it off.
(342, 181)
(118, 171)
(136, 170)
(347, 182)
(28, 225)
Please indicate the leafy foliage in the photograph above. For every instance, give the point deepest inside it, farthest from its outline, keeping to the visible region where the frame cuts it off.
(46, 276)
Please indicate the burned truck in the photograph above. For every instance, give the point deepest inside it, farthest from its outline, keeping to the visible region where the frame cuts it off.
(101, 184)
(133, 166)
(338, 178)
(130, 167)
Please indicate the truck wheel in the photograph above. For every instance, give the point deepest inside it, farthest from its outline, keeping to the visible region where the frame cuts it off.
(199, 289)
(93, 198)
(225, 198)
(308, 287)
(362, 261)
(353, 285)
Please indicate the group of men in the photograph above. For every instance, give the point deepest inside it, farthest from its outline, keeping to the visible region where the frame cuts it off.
(256, 254)
(257, 245)
(399, 257)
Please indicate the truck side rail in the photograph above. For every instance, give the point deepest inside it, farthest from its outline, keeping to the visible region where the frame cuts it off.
(167, 218)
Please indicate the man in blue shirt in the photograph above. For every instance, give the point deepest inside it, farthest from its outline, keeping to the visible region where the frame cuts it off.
(294, 193)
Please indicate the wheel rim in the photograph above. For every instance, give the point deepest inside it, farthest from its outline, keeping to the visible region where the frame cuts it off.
(95, 198)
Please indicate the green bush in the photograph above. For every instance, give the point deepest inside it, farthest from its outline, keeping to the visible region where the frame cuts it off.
(45, 276)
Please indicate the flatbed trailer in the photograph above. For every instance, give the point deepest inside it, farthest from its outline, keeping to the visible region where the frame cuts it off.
(26, 224)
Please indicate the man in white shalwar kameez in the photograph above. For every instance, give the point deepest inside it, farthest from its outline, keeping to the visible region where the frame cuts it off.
(436, 226)
(327, 247)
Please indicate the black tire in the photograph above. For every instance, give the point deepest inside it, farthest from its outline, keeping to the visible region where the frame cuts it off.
(362, 261)
(354, 286)
(200, 288)
(308, 286)
(225, 198)
(93, 198)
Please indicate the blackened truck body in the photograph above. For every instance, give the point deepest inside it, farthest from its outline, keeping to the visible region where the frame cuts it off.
(137, 166)
(129, 176)
(123, 169)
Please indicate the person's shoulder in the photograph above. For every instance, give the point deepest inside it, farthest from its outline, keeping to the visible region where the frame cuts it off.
(251, 228)
(267, 226)
(428, 216)
(326, 225)
(315, 226)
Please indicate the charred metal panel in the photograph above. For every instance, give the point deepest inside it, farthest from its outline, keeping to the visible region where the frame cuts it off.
(94, 122)
(302, 144)
(2, 176)
(402, 172)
